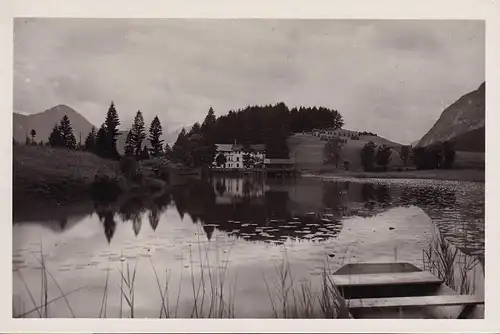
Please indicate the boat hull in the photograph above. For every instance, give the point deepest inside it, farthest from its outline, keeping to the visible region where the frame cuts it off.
(426, 312)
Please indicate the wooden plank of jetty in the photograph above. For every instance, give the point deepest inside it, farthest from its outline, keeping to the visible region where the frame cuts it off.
(417, 301)
(396, 278)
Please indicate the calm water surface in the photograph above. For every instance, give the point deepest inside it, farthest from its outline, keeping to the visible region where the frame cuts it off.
(230, 232)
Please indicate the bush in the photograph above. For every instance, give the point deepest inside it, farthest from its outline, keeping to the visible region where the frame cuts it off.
(367, 154)
(105, 187)
(129, 167)
(154, 184)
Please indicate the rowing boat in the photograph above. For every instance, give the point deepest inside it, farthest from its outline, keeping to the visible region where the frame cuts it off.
(402, 290)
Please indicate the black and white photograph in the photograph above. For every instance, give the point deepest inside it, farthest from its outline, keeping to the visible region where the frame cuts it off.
(248, 168)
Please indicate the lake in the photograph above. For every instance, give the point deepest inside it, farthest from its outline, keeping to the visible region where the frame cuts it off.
(222, 247)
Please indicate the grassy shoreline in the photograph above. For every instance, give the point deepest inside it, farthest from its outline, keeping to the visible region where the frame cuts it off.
(469, 175)
(45, 176)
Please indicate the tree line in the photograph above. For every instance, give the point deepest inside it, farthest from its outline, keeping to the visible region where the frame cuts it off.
(438, 156)
(103, 142)
(270, 125)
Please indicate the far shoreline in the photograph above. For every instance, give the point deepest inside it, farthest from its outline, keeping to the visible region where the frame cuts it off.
(466, 175)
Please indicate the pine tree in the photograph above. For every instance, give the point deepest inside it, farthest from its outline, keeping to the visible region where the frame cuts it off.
(209, 122)
(101, 142)
(55, 138)
(144, 155)
(195, 129)
(129, 145)
(383, 156)
(155, 131)
(33, 135)
(67, 136)
(138, 132)
(111, 128)
(90, 141)
(168, 151)
(179, 150)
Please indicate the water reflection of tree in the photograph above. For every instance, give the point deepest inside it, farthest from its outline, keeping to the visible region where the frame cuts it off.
(106, 214)
(339, 196)
(132, 208)
(243, 218)
(383, 195)
(368, 195)
(332, 195)
(428, 197)
(154, 217)
(247, 216)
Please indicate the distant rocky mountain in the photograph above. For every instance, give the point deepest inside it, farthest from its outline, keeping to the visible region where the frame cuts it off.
(413, 143)
(43, 123)
(462, 123)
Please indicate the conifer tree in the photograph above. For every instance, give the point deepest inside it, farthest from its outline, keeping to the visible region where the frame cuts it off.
(209, 121)
(55, 138)
(195, 129)
(101, 142)
(129, 145)
(90, 140)
(155, 131)
(138, 133)
(168, 151)
(67, 137)
(33, 135)
(111, 128)
(144, 153)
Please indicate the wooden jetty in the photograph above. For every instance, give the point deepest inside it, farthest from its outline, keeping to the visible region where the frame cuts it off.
(401, 290)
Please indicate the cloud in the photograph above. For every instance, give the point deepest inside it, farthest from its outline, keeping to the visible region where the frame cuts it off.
(381, 75)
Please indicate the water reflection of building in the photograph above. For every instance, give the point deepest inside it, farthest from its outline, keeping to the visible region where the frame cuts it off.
(229, 189)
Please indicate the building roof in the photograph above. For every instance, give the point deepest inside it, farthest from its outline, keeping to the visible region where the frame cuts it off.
(224, 147)
(258, 147)
(239, 147)
(278, 161)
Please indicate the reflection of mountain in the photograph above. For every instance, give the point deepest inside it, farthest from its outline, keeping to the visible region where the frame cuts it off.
(52, 215)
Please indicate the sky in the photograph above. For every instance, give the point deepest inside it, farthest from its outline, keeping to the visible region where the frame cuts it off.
(391, 77)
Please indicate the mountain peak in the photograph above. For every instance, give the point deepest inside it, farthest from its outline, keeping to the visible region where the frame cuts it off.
(462, 122)
(482, 87)
(44, 121)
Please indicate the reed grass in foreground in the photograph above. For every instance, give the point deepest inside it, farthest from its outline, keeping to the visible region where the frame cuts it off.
(452, 266)
(290, 299)
(211, 294)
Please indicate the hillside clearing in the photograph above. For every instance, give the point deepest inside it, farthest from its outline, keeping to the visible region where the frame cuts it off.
(307, 151)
